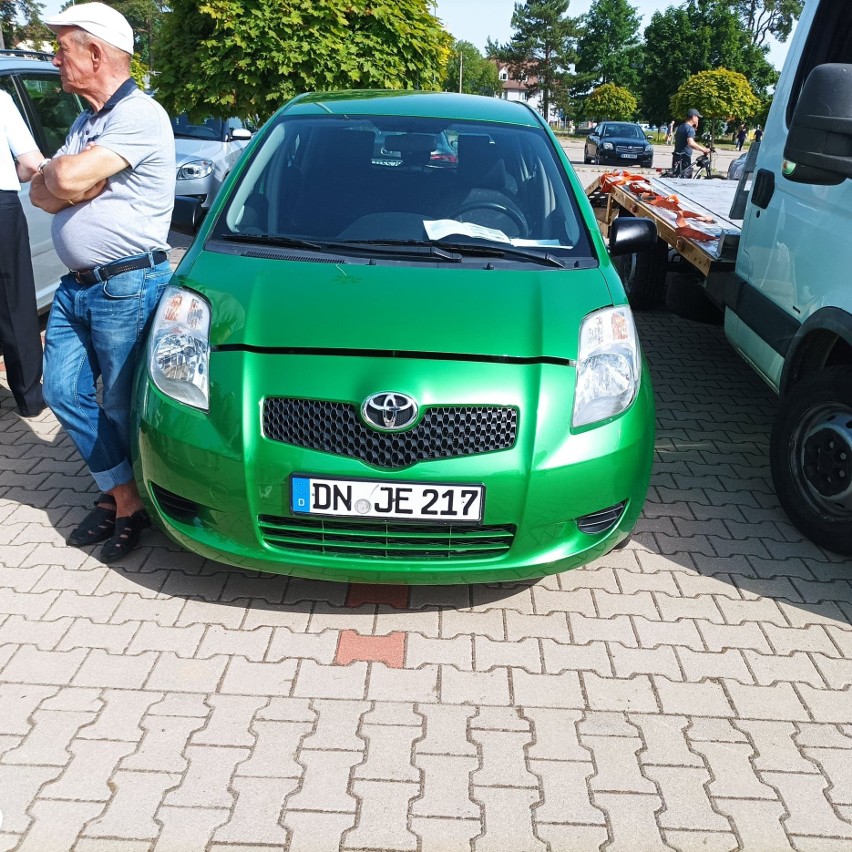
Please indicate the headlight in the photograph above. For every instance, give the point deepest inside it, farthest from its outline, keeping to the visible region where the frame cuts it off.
(607, 146)
(179, 347)
(195, 169)
(608, 366)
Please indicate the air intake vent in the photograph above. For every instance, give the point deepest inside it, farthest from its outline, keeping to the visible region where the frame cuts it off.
(348, 540)
(175, 506)
(603, 521)
(277, 255)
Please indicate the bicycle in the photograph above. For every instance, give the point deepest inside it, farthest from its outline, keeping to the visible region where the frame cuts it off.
(702, 168)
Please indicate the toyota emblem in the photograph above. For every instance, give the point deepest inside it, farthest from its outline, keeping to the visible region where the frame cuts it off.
(389, 411)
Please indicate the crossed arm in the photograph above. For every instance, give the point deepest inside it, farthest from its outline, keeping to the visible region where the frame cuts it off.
(74, 178)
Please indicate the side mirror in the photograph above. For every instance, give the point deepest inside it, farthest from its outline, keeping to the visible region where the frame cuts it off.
(239, 133)
(629, 234)
(819, 143)
(187, 215)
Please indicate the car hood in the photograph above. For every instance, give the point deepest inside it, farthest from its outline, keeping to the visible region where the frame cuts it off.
(626, 140)
(278, 304)
(197, 149)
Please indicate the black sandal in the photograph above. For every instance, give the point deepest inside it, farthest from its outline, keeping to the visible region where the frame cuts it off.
(97, 526)
(126, 537)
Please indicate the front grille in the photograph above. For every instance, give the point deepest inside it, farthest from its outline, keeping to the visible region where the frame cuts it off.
(443, 432)
(629, 149)
(346, 539)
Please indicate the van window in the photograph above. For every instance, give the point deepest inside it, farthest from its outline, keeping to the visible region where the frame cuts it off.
(54, 109)
(829, 40)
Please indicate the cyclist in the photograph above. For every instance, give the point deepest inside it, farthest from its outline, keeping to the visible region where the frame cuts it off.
(684, 143)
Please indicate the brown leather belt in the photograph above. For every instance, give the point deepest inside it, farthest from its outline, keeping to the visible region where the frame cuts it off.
(87, 277)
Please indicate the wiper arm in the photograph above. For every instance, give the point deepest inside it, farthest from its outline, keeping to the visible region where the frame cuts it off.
(273, 240)
(416, 247)
(502, 249)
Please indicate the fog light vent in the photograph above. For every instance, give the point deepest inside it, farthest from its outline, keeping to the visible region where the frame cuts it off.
(174, 505)
(602, 521)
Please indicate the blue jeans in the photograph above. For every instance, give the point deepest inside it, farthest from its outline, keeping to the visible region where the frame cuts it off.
(96, 332)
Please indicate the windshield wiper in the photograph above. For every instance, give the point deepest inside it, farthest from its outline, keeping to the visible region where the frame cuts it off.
(273, 240)
(502, 249)
(409, 247)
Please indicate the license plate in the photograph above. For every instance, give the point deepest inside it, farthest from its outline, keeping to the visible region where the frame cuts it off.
(410, 501)
(629, 156)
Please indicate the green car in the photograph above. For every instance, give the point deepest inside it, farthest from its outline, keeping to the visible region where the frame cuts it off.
(378, 365)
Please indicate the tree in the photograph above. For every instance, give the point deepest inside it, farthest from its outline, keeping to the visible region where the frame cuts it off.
(700, 36)
(610, 101)
(763, 18)
(608, 50)
(479, 76)
(541, 48)
(229, 57)
(719, 96)
(20, 21)
(146, 18)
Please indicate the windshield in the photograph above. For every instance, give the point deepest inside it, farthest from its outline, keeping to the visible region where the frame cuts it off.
(625, 131)
(389, 179)
(209, 128)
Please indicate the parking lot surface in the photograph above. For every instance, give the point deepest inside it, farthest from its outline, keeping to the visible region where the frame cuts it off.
(690, 691)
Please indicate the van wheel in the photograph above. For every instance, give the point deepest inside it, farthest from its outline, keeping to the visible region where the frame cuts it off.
(811, 458)
(643, 274)
(686, 298)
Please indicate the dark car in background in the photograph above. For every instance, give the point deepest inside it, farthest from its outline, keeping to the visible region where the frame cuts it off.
(620, 143)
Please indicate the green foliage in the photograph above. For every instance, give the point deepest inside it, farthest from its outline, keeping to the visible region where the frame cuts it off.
(146, 18)
(20, 21)
(248, 57)
(763, 18)
(479, 75)
(608, 50)
(610, 102)
(718, 95)
(700, 36)
(542, 47)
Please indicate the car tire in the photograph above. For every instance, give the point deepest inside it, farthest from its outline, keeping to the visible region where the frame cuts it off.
(586, 158)
(643, 274)
(686, 298)
(810, 456)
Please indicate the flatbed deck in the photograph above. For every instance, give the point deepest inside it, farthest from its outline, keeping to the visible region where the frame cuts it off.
(708, 198)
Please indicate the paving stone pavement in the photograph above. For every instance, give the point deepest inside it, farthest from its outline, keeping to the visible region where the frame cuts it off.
(690, 691)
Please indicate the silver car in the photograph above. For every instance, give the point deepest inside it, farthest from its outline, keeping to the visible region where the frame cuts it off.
(205, 152)
(35, 87)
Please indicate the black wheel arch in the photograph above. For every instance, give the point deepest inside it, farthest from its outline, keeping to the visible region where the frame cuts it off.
(823, 340)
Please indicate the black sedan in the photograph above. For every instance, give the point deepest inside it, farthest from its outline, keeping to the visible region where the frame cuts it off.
(618, 142)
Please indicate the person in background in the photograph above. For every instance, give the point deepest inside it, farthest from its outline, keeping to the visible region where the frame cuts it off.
(111, 187)
(19, 327)
(758, 134)
(741, 137)
(685, 144)
(669, 133)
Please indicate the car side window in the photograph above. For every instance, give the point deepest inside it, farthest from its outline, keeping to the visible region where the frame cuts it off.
(54, 109)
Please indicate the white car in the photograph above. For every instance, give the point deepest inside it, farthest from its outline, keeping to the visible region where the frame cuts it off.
(205, 152)
(33, 82)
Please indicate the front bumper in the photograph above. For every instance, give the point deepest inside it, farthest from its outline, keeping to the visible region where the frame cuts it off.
(218, 487)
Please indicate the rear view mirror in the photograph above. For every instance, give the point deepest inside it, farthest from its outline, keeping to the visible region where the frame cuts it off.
(187, 215)
(819, 144)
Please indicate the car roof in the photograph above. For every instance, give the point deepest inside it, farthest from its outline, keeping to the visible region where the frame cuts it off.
(364, 102)
(26, 60)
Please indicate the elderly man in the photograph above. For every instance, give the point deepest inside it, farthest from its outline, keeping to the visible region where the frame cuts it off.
(111, 187)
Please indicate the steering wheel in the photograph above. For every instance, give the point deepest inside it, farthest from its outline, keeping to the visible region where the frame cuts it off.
(516, 217)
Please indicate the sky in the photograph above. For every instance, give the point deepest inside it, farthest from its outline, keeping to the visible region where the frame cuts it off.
(477, 20)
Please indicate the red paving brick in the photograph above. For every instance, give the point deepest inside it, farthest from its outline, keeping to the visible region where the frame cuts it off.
(389, 649)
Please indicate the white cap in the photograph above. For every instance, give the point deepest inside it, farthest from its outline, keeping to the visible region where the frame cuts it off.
(99, 20)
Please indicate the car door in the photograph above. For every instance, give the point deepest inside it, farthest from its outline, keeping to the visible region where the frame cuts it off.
(592, 142)
(49, 112)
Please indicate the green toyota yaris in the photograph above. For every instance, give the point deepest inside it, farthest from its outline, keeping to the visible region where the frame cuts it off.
(398, 351)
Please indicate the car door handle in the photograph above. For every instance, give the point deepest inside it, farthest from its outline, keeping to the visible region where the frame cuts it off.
(763, 189)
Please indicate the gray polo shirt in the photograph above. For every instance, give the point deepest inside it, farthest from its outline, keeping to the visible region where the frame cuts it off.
(133, 213)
